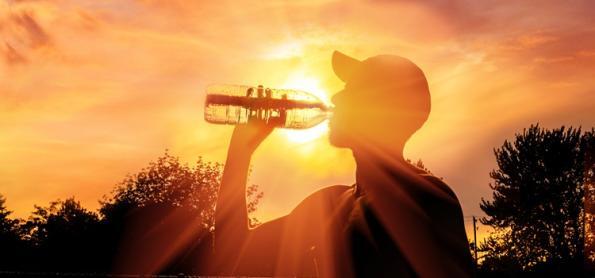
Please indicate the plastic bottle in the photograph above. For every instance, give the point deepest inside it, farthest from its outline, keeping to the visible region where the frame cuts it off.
(238, 104)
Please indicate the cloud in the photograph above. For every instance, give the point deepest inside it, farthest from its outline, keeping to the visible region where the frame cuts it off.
(12, 56)
(37, 36)
(22, 34)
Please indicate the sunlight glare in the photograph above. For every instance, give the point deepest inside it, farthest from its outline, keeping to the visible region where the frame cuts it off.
(301, 81)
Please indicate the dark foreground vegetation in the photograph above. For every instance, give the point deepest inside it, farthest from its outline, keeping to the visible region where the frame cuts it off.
(159, 220)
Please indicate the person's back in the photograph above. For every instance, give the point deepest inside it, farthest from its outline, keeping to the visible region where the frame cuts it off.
(373, 251)
(395, 221)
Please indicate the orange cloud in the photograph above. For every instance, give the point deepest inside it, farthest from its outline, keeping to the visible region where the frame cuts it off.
(12, 56)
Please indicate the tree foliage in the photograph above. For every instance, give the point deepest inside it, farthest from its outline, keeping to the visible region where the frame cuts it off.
(166, 203)
(537, 206)
(169, 182)
(158, 220)
(8, 226)
(421, 165)
(9, 237)
(589, 251)
(61, 235)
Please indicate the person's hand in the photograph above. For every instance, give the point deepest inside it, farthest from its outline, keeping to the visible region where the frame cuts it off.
(249, 136)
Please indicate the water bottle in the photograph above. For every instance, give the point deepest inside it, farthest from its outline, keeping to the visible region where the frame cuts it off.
(285, 108)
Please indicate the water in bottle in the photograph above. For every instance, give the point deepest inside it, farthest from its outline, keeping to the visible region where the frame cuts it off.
(237, 104)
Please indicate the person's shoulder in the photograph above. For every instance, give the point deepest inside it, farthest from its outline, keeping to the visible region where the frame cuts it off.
(333, 190)
(443, 187)
(330, 193)
(327, 196)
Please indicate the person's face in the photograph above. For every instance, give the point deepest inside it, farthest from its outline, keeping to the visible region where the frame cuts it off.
(372, 115)
(356, 116)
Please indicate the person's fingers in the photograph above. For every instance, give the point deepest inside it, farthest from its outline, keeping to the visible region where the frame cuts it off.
(252, 133)
(261, 125)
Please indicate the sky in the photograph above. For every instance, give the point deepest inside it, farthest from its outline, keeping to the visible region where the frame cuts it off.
(91, 91)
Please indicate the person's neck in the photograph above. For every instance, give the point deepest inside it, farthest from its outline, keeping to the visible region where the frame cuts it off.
(372, 161)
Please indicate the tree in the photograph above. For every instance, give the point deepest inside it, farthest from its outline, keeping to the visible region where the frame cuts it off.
(589, 250)
(163, 217)
(159, 220)
(63, 237)
(420, 164)
(10, 240)
(537, 207)
(8, 226)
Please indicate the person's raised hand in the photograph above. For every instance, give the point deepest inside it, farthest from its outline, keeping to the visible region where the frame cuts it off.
(249, 136)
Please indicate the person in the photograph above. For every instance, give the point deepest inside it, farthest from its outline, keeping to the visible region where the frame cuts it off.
(395, 221)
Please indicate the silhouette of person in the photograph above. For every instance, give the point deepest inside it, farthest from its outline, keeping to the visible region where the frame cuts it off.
(396, 220)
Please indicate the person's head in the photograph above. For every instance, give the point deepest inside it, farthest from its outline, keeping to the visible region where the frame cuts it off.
(385, 100)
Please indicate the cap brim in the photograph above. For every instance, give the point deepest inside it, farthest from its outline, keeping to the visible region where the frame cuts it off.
(344, 66)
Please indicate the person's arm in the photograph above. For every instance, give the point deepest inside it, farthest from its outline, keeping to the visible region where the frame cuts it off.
(271, 248)
(231, 214)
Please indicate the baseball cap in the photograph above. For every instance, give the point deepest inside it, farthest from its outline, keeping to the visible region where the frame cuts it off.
(390, 75)
(387, 68)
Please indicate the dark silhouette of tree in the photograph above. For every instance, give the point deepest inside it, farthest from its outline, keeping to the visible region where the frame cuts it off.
(62, 236)
(159, 220)
(163, 217)
(12, 247)
(8, 227)
(419, 164)
(537, 205)
(589, 250)
(168, 181)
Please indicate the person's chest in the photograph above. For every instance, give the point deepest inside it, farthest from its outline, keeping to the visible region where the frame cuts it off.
(313, 236)
(369, 248)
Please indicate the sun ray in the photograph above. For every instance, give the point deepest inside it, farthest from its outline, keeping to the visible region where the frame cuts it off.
(301, 81)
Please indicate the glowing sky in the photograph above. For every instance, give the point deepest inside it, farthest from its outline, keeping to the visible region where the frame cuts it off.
(93, 90)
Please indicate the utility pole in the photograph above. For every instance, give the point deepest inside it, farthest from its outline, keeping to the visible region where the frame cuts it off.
(475, 240)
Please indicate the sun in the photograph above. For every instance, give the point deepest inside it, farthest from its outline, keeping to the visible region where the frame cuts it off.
(309, 84)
